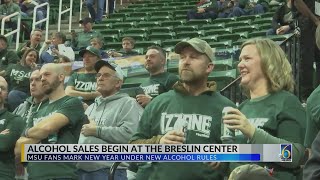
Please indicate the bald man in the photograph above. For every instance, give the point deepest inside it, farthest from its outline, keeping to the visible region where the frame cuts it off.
(11, 126)
(59, 122)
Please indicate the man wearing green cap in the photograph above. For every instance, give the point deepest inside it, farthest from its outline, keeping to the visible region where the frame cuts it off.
(82, 83)
(192, 98)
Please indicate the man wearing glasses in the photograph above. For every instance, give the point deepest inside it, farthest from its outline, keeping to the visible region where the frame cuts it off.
(113, 119)
(82, 83)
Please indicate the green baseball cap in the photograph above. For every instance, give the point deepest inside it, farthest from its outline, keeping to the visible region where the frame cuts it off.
(92, 50)
(199, 45)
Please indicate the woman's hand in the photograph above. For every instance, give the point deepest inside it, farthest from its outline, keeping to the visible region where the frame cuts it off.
(235, 120)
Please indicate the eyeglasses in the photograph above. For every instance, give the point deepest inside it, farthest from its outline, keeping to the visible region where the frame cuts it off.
(105, 75)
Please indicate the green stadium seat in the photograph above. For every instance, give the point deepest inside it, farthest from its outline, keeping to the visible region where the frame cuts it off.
(157, 4)
(111, 38)
(102, 26)
(124, 25)
(173, 23)
(180, 12)
(118, 15)
(199, 22)
(257, 34)
(146, 9)
(162, 36)
(138, 30)
(279, 37)
(135, 36)
(265, 26)
(168, 8)
(190, 34)
(221, 44)
(139, 50)
(247, 17)
(136, 19)
(167, 29)
(187, 7)
(233, 37)
(148, 24)
(218, 31)
(239, 42)
(160, 18)
(161, 13)
(176, 4)
(209, 39)
(136, 5)
(223, 20)
(248, 28)
(238, 23)
(222, 65)
(146, 44)
(139, 14)
(267, 14)
(172, 42)
(223, 76)
(262, 21)
(115, 45)
(111, 31)
(127, 10)
(133, 81)
(180, 17)
(113, 20)
(212, 26)
(186, 28)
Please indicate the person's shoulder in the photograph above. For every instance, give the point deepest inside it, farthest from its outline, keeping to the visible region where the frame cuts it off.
(221, 99)
(285, 95)
(314, 96)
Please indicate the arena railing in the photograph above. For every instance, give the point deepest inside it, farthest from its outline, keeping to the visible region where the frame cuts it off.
(63, 12)
(46, 19)
(16, 31)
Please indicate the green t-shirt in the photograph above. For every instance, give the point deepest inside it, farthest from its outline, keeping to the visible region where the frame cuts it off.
(72, 108)
(281, 115)
(84, 82)
(170, 111)
(159, 84)
(18, 77)
(15, 124)
(313, 117)
(83, 39)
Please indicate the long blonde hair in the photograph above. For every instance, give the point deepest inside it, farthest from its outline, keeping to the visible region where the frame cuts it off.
(274, 64)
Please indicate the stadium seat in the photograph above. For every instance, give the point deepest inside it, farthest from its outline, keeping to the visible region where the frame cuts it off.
(212, 26)
(199, 22)
(168, 8)
(221, 44)
(124, 25)
(127, 10)
(257, 34)
(136, 5)
(218, 31)
(176, 4)
(247, 17)
(173, 23)
(189, 34)
(267, 14)
(167, 29)
(137, 30)
(111, 38)
(162, 36)
(233, 37)
(113, 20)
(118, 15)
(135, 36)
(114, 45)
(148, 24)
(180, 12)
(186, 28)
(172, 42)
(111, 31)
(264, 26)
(160, 18)
(180, 17)
(223, 20)
(139, 14)
(102, 26)
(209, 39)
(223, 77)
(248, 28)
(136, 19)
(161, 13)
(262, 21)
(146, 44)
(222, 65)
(238, 23)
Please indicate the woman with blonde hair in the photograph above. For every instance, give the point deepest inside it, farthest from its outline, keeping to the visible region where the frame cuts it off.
(272, 114)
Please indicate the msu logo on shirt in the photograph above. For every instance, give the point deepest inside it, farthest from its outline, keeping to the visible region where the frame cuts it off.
(198, 123)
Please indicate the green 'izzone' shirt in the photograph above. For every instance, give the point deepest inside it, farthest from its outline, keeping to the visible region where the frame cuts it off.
(313, 117)
(84, 82)
(170, 111)
(72, 108)
(15, 124)
(282, 116)
(158, 84)
(18, 77)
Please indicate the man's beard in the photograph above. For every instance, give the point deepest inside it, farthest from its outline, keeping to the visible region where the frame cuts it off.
(52, 86)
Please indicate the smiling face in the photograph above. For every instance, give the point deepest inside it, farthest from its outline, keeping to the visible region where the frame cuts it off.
(194, 66)
(250, 67)
(31, 58)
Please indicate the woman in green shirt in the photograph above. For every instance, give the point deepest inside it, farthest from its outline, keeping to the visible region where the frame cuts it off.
(272, 114)
(17, 75)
